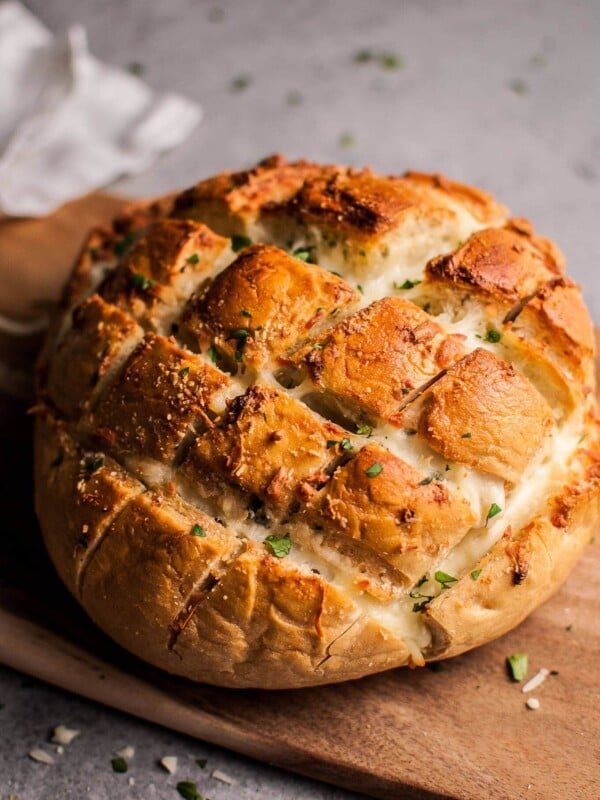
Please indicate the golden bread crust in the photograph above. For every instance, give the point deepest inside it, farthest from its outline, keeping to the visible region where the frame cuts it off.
(254, 471)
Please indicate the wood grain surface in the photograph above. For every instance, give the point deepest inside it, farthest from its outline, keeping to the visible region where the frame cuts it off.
(463, 732)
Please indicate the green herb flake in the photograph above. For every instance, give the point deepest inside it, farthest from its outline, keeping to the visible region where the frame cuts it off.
(302, 253)
(202, 762)
(492, 335)
(317, 346)
(360, 288)
(93, 464)
(426, 481)
(364, 430)
(125, 243)
(406, 390)
(347, 140)
(363, 56)
(422, 605)
(319, 309)
(333, 272)
(346, 444)
(493, 511)
(239, 242)
(280, 545)
(139, 281)
(466, 435)
(213, 354)
(518, 665)
(444, 579)
(475, 574)
(374, 470)
(331, 443)
(198, 530)
(245, 313)
(391, 61)
(119, 764)
(408, 284)
(193, 259)
(188, 790)
(240, 83)
(183, 372)
(241, 334)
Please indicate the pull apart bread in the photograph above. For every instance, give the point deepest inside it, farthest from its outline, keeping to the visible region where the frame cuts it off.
(304, 423)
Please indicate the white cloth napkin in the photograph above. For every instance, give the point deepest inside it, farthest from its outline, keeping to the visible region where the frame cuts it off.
(69, 123)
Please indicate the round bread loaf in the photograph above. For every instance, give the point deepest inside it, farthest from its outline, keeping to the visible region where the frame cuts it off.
(303, 423)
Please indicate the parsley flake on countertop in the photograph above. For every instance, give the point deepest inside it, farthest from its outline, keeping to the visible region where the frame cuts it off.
(188, 790)
(280, 545)
(518, 665)
(119, 764)
(202, 762)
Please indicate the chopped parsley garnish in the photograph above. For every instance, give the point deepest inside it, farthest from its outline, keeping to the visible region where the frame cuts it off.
(360, 288)
(93, 464)
(317, 346)
(239, 242)
(493, 335)
(280, 545)
(408, 284)
(364, 430)
(416, 595)
(475, 574)
(518, 665)
(319, 309)
(444, 579)
(466, 435)
(188, 790)
(183, 372)
(374, 470)
(193, 259)
(213, 354)
(119, 764)
(422, 605)
(302, 253)
(426, 481)
(333, 272)
(202, 762)
(345, 444)
(139, 281)
(406, 390)
(198, 530)
(493, 511)
(245, 313)
(240, 334)
(125, 243)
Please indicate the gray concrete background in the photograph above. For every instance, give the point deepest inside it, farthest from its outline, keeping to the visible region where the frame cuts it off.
(505, 95)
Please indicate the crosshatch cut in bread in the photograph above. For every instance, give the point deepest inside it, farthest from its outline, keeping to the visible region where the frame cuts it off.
(303, 423)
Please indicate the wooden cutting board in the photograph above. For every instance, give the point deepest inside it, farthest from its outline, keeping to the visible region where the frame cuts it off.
(463, 732)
